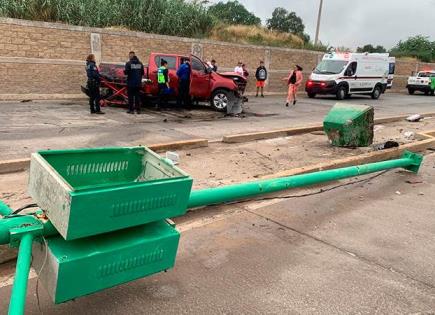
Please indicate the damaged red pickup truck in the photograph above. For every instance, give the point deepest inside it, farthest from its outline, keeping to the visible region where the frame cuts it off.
(219, 89)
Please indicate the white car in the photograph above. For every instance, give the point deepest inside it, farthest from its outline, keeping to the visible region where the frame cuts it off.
(422, 82)
(344, 74)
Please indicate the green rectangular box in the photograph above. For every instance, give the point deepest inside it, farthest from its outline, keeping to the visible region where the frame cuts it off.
(71, 269)
(349, 125)
(87, 192)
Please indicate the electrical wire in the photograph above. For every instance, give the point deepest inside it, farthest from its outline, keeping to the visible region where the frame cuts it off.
(310, 194)
(30, 205)
(37, 276)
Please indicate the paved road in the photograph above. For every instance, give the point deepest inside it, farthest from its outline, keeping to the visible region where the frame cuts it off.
(361, 249)
(27, 127)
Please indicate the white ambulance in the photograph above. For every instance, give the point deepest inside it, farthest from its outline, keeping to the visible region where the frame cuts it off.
(344, 74)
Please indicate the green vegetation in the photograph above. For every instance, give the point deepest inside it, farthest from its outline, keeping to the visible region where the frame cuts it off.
(418, 47)
(289, 22)
(168, 17)
(256, 35)
(233, 12)
(371, 49)
(191, 18)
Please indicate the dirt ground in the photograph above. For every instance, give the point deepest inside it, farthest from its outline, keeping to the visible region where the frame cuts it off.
(221, 163)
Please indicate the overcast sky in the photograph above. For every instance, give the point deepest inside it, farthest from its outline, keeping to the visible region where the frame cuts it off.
(353, 23)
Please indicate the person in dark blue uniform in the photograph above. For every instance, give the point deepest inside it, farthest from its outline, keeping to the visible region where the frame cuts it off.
(134, 71)
(93, 84)
(183, 74)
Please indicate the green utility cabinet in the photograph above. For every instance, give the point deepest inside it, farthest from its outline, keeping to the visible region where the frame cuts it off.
(88, 192)
(349, 125)
(71, 269)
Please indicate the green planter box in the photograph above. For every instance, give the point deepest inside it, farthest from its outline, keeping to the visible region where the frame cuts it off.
(87, 192)
(350, 125)
(71, 269)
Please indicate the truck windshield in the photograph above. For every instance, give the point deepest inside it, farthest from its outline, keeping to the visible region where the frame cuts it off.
(426, 74)
(330, 67)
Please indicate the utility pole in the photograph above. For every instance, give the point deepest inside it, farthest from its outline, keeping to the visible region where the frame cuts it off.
(316, 40)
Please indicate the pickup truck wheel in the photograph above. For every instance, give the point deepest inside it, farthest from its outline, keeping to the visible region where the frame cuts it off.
(411, 91)
(376, 92)
(311, 95)
(220, 100)
(341, 93)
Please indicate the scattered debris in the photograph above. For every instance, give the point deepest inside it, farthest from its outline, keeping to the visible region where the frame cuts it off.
(378, 127)
(414, 118)
(421, 194)
(409, 135)
(188, 154)
(173, 156)
(398, 193)
(165, 120)
(414, 181)
(25, 101)
(387, 145)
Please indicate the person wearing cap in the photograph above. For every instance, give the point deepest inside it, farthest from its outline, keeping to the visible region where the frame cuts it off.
(163, 82)
(294, 80)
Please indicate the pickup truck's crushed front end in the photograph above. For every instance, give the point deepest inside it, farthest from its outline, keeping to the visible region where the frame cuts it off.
(240, 81)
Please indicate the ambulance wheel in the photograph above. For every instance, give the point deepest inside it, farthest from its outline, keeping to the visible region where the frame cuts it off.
(432, 92)
(411, 91)
(220, 100)
(426, 93)
(341, 93)
(311, 95)
(376, 92)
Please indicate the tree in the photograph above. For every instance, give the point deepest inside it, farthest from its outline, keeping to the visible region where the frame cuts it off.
(233, 12)
(284, 21)
(418, 46)
(371, 49)
(289, 22)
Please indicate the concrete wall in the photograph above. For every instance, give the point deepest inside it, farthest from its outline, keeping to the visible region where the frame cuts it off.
(46, 60)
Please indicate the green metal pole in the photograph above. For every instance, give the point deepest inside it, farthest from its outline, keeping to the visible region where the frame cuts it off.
(4, 209)
(18, 297)
(217, 195)
(204, 197)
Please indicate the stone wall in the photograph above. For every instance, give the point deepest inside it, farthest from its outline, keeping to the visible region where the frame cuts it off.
(46, 60)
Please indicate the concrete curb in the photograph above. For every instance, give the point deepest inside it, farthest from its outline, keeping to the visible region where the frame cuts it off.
(246, 137)
(177, 145)
(371, 157)
(253, 136)
(13, 166)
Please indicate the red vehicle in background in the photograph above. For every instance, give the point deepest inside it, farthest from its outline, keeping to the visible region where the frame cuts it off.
(219, 89)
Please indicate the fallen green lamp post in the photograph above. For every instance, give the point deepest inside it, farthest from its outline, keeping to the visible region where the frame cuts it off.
(131, 192)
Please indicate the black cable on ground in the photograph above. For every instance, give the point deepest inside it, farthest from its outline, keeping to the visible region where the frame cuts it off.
(309, 194)
(31, 205)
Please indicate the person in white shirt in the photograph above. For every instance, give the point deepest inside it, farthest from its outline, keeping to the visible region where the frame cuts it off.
(239, 69)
